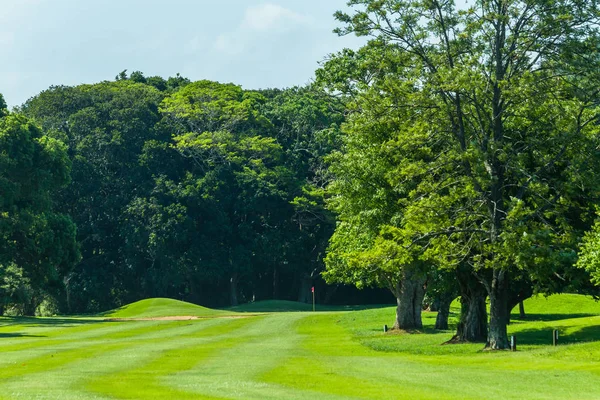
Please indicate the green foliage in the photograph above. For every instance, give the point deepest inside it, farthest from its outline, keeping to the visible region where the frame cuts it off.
(106, 127)
(3, 106)
(181, 188)
(480, 127)
(37, 245)
(589, 256)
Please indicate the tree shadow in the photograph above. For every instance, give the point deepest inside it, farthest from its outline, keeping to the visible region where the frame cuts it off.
(40, 322)
(18, 335)
(544, 336)
(293, 306)
(548, 317)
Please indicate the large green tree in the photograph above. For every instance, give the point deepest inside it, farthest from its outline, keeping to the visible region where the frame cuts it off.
(106, 127)
(492, 116)
(37, 244)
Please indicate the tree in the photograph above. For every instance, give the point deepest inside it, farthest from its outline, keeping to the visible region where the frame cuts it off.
(106, 127)
(493, 117)
(3, 107)
(233, 183)
(37, 244)
(363, 250)
(306, 124)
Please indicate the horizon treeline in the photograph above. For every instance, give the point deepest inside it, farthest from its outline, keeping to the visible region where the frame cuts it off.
(198, 191)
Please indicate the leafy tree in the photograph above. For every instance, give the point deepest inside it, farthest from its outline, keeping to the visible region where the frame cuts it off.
(231, 187)
(37, 244)
(106, 126)
(307, 124)
(490, 118)
(3, 107)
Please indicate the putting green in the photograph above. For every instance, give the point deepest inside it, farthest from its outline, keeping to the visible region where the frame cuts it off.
(294, 355)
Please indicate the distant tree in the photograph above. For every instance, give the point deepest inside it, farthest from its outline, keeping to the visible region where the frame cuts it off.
(106, 127)
(37, 244)
(3, 106)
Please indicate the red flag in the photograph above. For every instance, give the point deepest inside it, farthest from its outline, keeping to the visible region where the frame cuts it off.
(312, 289)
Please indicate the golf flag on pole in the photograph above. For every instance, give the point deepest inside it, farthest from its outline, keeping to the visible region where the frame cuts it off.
(312, 289)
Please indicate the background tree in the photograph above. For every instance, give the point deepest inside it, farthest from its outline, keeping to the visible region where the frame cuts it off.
(106, 126)
(37, 244)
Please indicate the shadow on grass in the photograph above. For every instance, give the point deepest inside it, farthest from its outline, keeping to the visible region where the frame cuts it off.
(544, 336)
(17, 335)
(292, 306)
(548, 317)
(52, 321)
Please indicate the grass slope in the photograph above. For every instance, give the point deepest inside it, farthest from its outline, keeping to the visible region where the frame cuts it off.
(299, 355)
(161, 307)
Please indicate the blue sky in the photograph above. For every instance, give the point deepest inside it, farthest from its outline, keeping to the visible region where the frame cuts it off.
(257, 44)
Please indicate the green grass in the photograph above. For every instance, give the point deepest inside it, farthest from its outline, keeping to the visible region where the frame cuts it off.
(294, 355)
(160, 307)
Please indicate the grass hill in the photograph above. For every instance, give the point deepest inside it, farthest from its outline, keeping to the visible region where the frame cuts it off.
(161, 307)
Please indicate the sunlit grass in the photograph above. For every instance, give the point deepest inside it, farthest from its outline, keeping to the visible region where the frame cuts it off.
(295, 355)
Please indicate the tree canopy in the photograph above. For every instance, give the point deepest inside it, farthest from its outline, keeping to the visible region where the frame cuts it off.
(485, 120)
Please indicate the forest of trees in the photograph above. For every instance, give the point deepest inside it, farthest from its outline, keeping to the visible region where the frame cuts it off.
(455, 155)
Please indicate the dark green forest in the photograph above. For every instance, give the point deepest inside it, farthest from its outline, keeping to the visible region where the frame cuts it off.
(455, 155)
(198, 191)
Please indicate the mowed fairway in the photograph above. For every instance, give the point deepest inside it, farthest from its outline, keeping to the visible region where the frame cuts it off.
(293, 355)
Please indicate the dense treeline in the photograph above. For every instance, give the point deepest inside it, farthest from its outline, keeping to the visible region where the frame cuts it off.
(198, 191)
(454, 155)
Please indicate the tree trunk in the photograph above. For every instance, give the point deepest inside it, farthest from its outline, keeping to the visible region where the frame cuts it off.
(409, 297)
(472, 325)
(521, 310)
(443, 309)
(233, 295)
(498, 335)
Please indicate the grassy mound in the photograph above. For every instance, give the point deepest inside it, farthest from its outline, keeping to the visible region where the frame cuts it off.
(161, 307)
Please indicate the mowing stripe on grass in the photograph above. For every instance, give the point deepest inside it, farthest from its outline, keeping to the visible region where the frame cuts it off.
(235, 371)
(48, 368)
(144, 378)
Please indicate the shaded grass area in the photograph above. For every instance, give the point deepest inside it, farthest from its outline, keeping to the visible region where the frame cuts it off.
(270, 306)
(294, 355)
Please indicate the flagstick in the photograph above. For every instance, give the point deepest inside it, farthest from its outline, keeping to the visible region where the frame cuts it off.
(313, 293)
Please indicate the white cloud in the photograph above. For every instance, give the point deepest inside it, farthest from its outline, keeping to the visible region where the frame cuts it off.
(258, 21)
